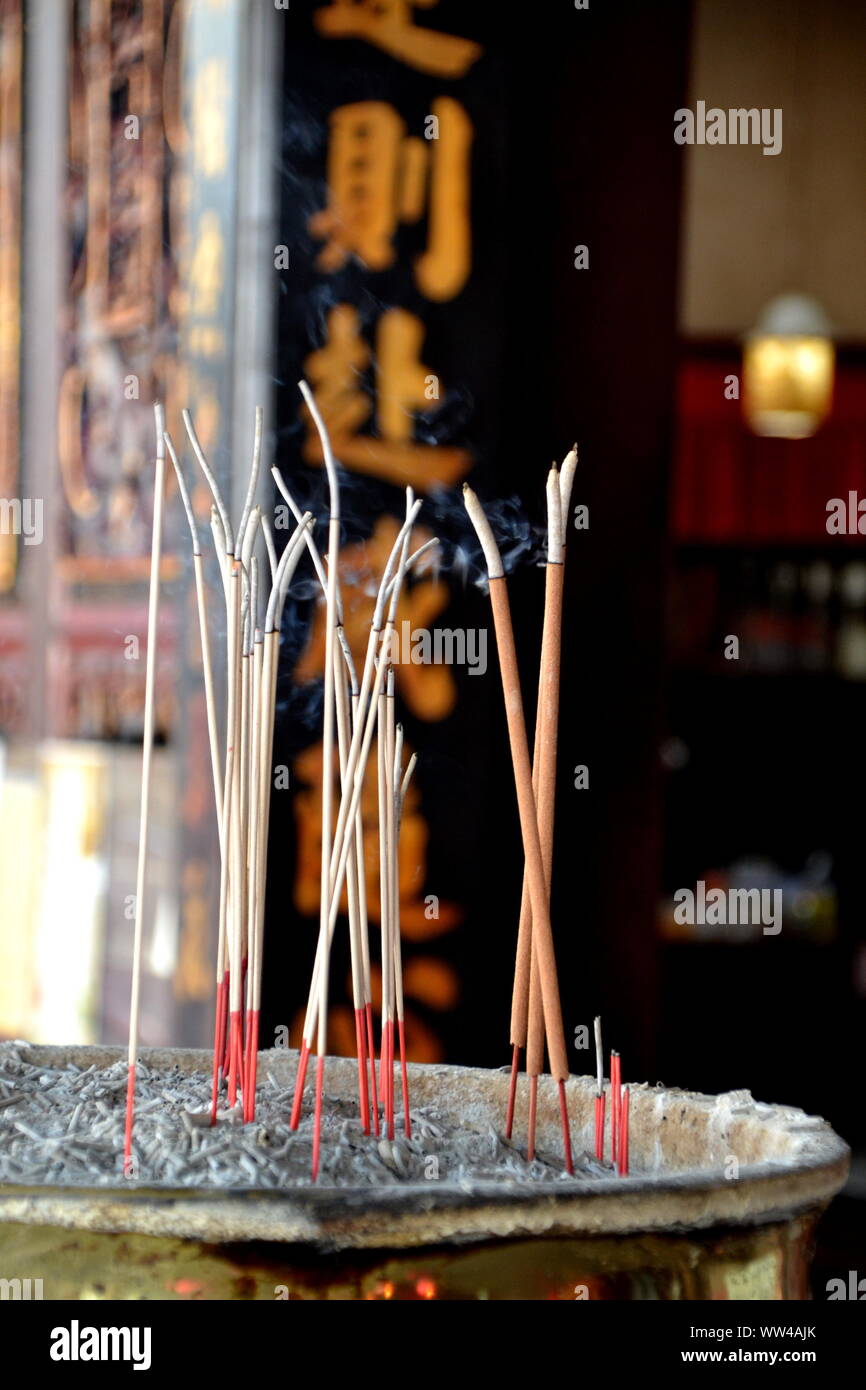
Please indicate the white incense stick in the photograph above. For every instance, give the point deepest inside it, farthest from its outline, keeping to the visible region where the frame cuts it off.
(253, 478)
(327, 750)
(146, 761)
(204, 638)
(203, 464)
(311, 544)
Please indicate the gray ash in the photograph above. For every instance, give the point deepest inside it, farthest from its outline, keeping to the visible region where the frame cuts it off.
(64, 1126)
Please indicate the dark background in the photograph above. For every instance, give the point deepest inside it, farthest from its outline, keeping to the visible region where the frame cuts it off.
(573, 146)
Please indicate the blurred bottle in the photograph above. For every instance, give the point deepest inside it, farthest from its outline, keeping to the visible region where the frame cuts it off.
(851, 636)
(780, 645)
(816, 584)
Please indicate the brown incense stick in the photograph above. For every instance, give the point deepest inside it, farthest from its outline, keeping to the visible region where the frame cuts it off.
(541, 929)
(544, 770)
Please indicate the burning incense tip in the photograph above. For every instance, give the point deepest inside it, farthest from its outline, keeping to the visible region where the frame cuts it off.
(555, 543)
(566, 482)
(484, 532)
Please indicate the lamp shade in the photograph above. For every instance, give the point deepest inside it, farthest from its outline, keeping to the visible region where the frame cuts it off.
(788, 368)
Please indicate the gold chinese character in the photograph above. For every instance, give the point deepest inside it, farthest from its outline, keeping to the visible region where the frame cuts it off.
(336, 369)
(363, 176)
(403, 386)
(378, 178)
(444, 267)
(390, 25)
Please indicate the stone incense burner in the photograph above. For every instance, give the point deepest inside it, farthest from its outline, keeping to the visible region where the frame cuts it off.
(722, 1201)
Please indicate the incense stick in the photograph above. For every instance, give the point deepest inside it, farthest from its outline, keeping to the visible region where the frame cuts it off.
(204, 636)
(228, 533)
(622, 1160)
(541, 928)
(385, 888)
(400, 789)
(254, 774)
(392, 754)
(615, 1082)
(213, 740)
(599, 1091)
(253, 477)
(544, 768)
(233, 831)
(327, 757)
(146, 761)
(224, 544)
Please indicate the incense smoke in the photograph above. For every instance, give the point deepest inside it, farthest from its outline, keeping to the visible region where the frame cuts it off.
(363, 501)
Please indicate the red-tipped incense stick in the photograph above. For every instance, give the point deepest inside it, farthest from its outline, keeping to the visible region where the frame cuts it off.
(623, 1133)
(599, 1091)
(146, 762)
(615, 1082)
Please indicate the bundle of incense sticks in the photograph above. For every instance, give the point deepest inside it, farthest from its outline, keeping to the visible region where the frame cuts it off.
(356, 709)
(536, 1014)
(254, 591)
